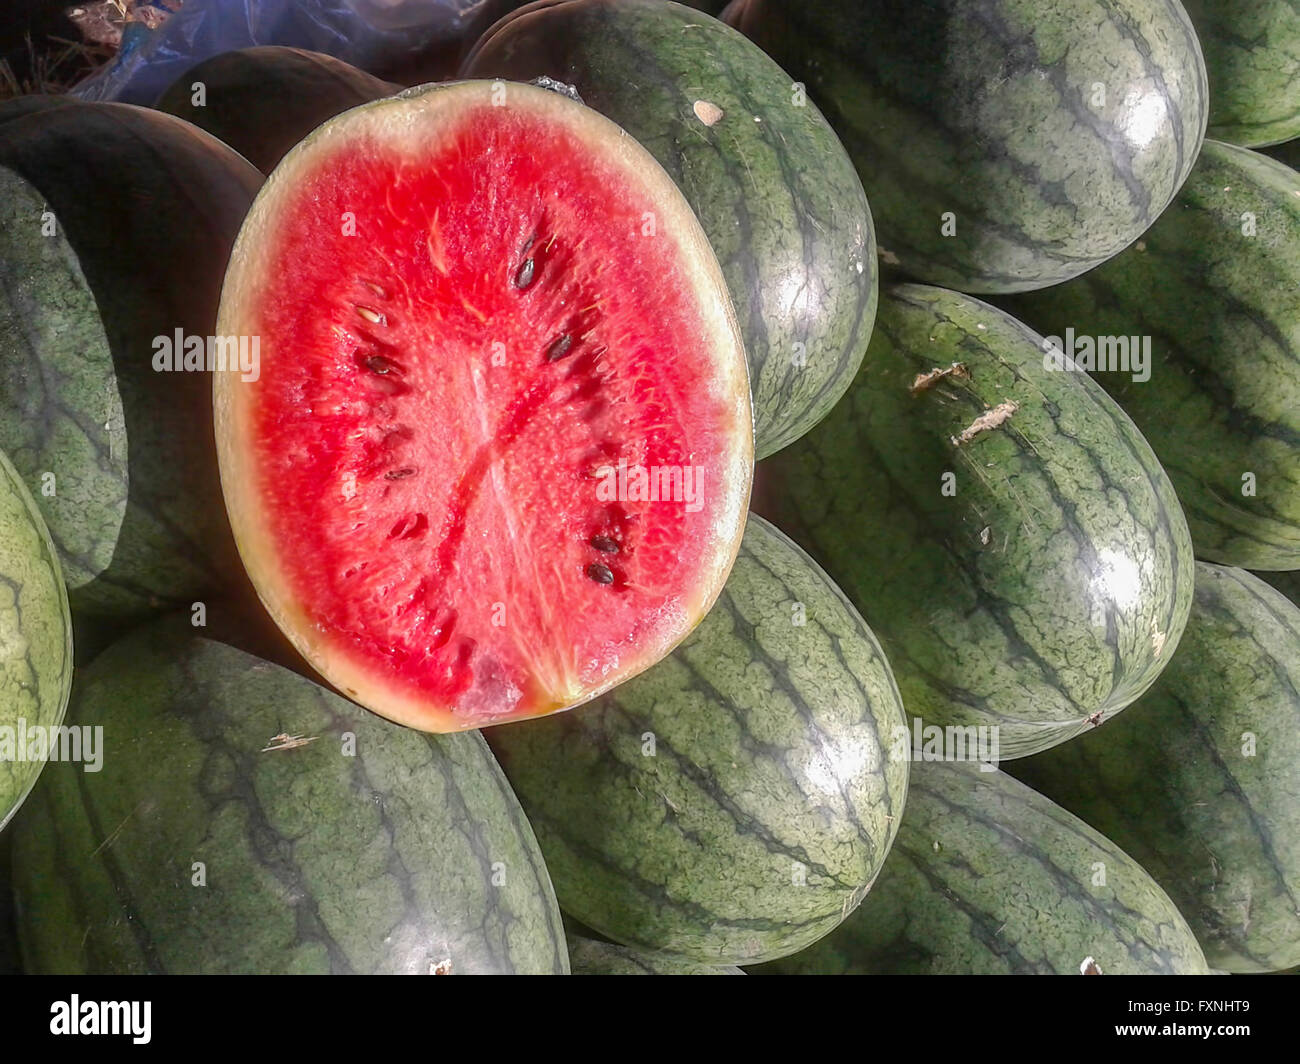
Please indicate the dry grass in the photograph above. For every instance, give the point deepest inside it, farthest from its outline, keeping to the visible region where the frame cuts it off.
(55, 65)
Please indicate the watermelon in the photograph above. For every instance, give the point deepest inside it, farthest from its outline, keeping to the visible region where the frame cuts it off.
(475, 480)
(115, 226)
(35, 641)
(1003, 527)
(1199, 781)
(1252, 53)
(244, 819)
(987, 877)
(770, 182)
(734, 803)
(591, 957)
(263, 100)
(998, 154)
(1213, 291)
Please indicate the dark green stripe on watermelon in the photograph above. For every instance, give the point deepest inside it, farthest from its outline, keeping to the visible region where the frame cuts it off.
(771, 184)
(115, 226)
(1053, 133)
(1252, 53)
(330, 841)
(591, 957)
(35, 639)
(1033, 577)
(1200, 781)
(262, 101)
(1215, 286)
(734, 802)
(987, 877)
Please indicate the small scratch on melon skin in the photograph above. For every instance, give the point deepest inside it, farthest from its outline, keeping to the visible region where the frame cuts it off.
(442, 967)
(924, 381)
(112, 835)
(990, 419)
(284, 741)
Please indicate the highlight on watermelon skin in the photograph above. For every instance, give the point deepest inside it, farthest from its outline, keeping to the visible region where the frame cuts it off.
(495, 454)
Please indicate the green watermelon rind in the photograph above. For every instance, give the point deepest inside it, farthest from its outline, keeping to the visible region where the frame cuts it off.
(244, 819)
(35, 637)
(769, 797)
(1215, 284)
(987, 877)
(588, 956)
(1012, 159)
(1252, 54)
(1034, 578)
(117, 453)
(1198, 781)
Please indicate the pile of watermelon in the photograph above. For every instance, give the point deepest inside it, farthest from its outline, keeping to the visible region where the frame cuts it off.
(387, 583)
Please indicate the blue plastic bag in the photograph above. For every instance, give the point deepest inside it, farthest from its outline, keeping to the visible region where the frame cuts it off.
(374, 35)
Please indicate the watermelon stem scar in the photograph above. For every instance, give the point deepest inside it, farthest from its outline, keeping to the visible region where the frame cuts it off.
(463, 333)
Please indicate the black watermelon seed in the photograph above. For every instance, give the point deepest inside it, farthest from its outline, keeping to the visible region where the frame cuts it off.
(378, 364)
(524, 275)
(604, 544)
(602, 574)
(398, 474)
(559, 348)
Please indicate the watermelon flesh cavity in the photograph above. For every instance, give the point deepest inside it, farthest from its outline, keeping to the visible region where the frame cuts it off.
(497, 455)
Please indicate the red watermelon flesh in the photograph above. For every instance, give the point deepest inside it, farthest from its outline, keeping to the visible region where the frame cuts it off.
(497, 453)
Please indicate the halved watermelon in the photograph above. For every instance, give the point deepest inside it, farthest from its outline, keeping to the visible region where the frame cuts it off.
(497, 455)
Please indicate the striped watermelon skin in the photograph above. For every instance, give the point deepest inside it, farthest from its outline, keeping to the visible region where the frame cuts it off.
(1199, 781)
(988, 877)
(733, 803)
(591, 957)
(85, 293)
(1252, 54)
(772, 185)
(330, 841)
(1215, 285)
(1035, 578)
(35, 638)
(1049, 156)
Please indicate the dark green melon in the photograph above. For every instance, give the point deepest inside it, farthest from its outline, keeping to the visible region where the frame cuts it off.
(769, 180)
(1215, 288)
(1004, 145)
(734, 802)
(1033, 574)
(1252, 53)
(35, 641)
(1199, 780)
(115, 226)
(988, 877)
(591, 957)
(264, 100)
(246, 820)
